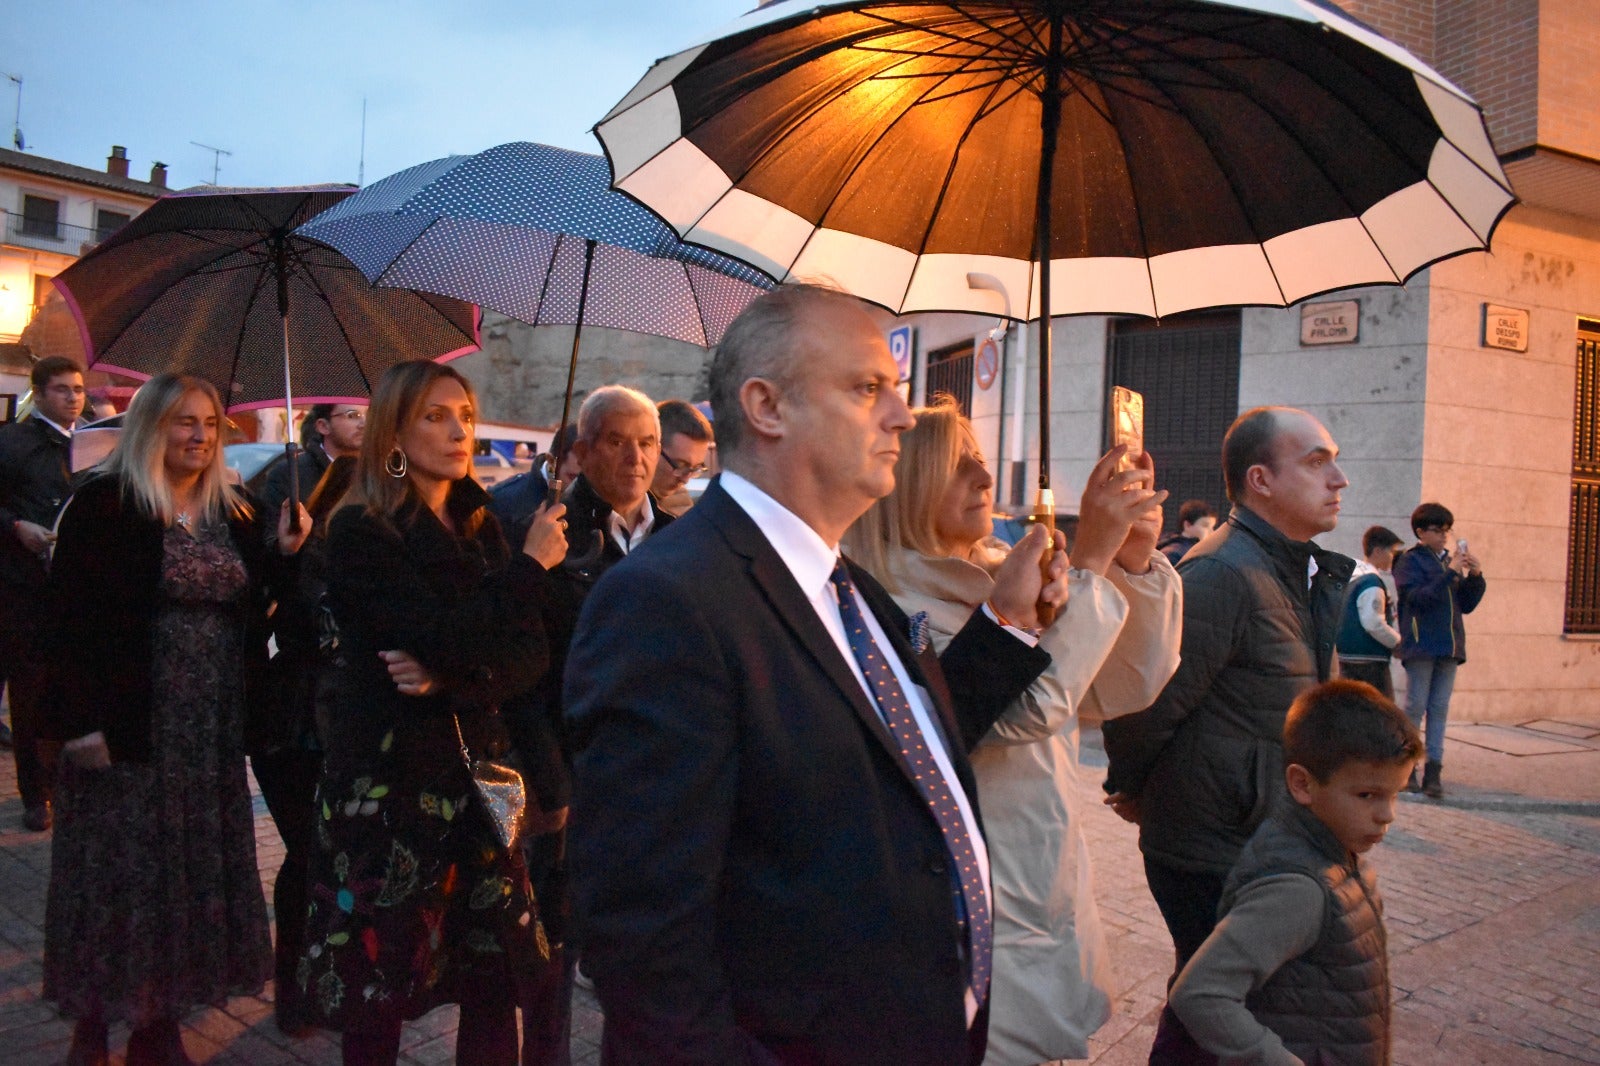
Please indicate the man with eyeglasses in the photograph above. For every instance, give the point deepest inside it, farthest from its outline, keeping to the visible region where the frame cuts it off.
(329, 431)
(35, 482)
(686, 441)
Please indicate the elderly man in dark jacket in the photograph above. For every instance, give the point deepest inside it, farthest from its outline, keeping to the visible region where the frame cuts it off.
(1202, 767)
(35, 482)
(610, 513)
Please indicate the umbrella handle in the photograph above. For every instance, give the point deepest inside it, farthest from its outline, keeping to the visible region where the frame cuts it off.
(592, 554)
(1044, 514)
(291, 455)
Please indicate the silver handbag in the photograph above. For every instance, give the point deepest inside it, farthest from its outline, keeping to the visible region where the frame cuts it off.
(500, 790)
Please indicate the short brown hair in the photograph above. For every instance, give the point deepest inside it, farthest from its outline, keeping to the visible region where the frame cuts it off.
(761, 344)
(681, 416)
(1341, 722)
(52, 366)
(1250, 441)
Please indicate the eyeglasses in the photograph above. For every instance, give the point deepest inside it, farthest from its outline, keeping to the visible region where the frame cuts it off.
(683, 469)
(66, 390)
(354, 416)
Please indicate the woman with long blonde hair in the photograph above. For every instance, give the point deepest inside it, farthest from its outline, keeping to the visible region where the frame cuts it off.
(1113, 645)
(414, 903)
(161, 582)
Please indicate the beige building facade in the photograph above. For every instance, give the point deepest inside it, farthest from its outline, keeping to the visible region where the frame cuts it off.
(51, 213)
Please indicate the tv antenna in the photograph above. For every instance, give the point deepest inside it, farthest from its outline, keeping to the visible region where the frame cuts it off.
(216, 158)
(16, 123)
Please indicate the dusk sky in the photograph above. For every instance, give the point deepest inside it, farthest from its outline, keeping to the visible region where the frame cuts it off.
(280, 83)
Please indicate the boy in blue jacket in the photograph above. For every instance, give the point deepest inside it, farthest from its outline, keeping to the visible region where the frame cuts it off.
(1437, 586)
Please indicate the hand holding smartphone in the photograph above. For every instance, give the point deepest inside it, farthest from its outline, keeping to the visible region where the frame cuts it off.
(1127, 425)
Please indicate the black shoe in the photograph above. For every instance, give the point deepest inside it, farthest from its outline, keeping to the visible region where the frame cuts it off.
(38, 819)
(5, 735)
(1413, 785)
(1431, 786)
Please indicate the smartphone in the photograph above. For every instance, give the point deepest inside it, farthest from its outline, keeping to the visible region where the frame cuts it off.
(1461, 546)
(1127, 425)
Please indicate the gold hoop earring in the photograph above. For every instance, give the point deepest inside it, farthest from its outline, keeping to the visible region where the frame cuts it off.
(395, 463)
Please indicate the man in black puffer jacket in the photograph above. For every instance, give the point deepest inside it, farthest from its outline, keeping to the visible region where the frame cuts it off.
(1203, 765)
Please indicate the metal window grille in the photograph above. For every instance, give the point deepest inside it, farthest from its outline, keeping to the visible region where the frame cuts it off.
(950, 371)
(1583, 550)
(1187, 367)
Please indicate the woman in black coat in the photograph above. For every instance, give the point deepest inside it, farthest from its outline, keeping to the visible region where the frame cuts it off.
(155, 902)
(413, 901)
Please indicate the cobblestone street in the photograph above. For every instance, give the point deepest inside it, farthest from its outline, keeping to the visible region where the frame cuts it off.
(1493, 912)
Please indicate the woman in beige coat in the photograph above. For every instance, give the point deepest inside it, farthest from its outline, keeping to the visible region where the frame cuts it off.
(1113, 646)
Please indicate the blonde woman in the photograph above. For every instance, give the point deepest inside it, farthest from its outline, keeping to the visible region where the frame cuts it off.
(1113, 645)
(161, 581)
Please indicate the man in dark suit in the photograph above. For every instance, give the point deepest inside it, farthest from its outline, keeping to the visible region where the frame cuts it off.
(760, 877)
(35, 482)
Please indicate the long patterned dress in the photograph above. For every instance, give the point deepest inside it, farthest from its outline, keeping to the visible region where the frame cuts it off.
(155, 902)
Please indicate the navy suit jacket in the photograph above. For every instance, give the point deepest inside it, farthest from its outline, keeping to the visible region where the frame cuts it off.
(756, 877)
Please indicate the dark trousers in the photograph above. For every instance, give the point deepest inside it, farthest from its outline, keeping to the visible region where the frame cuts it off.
(547, 1002)
(1375, 674)
(288, 780)
(1188, 903)
(25, 678)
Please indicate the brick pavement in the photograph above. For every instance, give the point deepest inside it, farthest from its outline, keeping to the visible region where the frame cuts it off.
(1494, 926)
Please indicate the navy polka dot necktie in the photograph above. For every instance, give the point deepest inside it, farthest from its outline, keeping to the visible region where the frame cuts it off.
(896, 710)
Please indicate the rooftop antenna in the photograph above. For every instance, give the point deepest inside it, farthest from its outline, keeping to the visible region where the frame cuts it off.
(16, 123)
(361, 167)
(216, 158)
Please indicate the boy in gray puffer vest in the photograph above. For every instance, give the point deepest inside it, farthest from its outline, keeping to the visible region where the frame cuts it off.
(1297, 970)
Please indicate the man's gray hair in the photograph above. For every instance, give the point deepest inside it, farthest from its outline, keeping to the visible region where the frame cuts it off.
(608, 400)
(764, 342)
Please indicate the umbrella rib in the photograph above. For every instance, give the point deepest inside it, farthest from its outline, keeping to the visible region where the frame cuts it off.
(813, 109)
(944, 190)
(315, 283)
(244, 323)
(694, 299)
(549, 272)
(1238, 199)
(1233, 84)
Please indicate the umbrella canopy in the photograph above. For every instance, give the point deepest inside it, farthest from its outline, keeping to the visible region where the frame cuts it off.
(1187, 154)
(214, 282)
(1040, 157)
(537, 233)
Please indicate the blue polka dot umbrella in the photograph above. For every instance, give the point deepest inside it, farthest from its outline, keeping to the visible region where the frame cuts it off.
(537, 234)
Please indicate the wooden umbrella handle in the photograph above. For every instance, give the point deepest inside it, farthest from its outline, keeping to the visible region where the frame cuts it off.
(1044, 514)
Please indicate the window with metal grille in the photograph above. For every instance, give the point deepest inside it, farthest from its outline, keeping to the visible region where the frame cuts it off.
(950, 371)
(108, 222)
(1187, 367)
(41, 216)
(1583, 547)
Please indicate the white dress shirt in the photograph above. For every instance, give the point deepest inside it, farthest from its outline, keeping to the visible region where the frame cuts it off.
(811, 560)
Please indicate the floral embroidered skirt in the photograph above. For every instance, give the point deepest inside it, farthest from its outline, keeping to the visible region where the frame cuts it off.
(413, 901)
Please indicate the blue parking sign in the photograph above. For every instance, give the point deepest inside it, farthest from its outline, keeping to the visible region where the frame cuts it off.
(903, 345)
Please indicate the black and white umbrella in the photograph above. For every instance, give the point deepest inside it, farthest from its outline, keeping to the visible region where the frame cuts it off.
(1074, 156)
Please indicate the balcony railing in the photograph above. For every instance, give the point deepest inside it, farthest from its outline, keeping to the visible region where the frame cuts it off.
(47, 236)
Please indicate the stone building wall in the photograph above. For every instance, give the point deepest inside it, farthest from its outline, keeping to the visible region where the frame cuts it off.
(521, 373)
